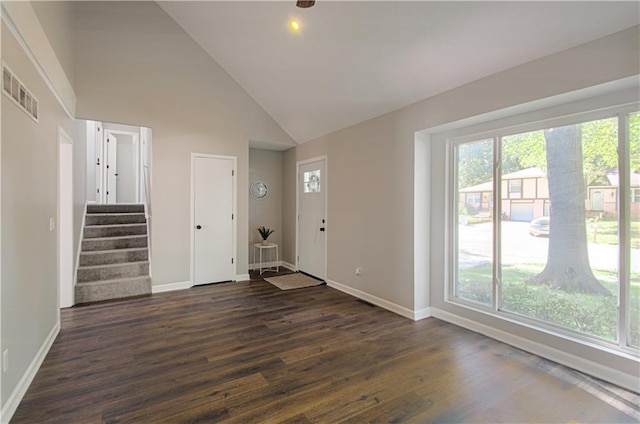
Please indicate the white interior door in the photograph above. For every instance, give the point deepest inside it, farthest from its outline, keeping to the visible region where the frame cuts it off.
(99, 163)
(127, 161)
(112, 168)
(312, 198)
(65, 219)
(213, 219)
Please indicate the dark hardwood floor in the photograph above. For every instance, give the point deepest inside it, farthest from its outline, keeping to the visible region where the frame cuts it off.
(248, 352)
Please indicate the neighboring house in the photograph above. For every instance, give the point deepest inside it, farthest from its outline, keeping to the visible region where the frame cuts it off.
(604, 198)
(525, 195)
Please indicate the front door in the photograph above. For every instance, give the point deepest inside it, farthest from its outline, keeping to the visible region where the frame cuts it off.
(312, 198)
(597, 200)
(213, 219)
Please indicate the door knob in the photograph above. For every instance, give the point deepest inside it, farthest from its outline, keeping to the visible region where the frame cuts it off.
(198, 226)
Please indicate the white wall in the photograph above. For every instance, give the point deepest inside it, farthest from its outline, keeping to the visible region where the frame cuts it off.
(265, 165)
(173, 87)
(371, 222)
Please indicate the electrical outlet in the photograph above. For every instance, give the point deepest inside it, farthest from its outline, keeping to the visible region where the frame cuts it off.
(52, 224)
(5, 360)
(358, 271)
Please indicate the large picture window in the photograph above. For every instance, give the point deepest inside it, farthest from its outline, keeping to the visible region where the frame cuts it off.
(563, 254)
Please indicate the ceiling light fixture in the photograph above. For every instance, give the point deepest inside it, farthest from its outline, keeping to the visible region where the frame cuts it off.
(305, 3)
(294, 25)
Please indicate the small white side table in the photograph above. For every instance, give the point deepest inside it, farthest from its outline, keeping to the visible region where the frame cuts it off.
(262, 247)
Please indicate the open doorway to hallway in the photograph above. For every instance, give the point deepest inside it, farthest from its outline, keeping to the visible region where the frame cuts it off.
(120, 155)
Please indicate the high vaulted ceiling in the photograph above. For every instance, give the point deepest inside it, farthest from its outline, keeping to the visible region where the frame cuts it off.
(355, 60)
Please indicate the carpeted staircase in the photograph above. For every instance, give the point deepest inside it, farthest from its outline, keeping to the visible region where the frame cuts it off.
(114, 261)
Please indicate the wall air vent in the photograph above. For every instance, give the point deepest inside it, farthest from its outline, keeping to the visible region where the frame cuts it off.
(15, 90)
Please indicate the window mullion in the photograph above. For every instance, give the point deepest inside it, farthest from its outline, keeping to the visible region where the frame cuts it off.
(497, 208)
(623, 230)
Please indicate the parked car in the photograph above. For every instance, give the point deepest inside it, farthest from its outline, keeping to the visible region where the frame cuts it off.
(539, 226)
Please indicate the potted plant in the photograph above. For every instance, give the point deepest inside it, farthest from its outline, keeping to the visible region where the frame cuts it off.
(265, 233)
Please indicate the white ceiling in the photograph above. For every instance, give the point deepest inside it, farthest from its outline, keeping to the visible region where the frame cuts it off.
(354, 60)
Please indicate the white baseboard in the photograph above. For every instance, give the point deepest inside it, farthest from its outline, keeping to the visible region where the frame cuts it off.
(161, 288)
(289, 266)
(18, 393)
(273, 264)
(422, 314)
(385, 304)
(283, 264)
(586, 366)
(243, 277)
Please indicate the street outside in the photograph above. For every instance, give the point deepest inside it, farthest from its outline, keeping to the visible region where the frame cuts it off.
(519, 247)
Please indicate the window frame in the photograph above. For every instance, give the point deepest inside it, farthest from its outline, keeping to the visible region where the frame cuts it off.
(496, 133)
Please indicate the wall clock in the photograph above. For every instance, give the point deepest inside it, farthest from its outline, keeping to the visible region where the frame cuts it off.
(259, 190)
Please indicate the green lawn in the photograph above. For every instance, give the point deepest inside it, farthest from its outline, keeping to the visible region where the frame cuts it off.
(607, 233)
(588, 313)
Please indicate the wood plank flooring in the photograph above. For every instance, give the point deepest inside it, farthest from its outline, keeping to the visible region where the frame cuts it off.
(248, 352)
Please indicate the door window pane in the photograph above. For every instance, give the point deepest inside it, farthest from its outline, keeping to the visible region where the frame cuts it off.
(474, 256)
(311, 181)
(560, 264)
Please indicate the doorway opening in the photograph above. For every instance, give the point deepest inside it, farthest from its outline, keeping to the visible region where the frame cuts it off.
(121, 158)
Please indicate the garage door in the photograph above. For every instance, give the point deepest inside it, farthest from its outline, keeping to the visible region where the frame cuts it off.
(521, 211)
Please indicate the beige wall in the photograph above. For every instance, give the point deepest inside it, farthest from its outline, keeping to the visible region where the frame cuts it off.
(79, 181)
(29, 198)
(266, 165)
(371, 173)
(288, 250)
(150, 73)
(56, 19)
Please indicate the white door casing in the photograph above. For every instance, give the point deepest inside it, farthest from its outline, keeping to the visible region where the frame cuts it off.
(312, 217)
(213, 224)
(111, 161)
(65, 219)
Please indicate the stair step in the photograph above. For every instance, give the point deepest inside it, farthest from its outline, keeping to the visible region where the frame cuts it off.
(92, 231)
(95, 291)
(115, 218)
(110, 243)
(116, 208)
(113, 271)
(106, 257)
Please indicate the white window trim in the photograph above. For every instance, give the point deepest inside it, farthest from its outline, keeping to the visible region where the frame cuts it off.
(495, 132)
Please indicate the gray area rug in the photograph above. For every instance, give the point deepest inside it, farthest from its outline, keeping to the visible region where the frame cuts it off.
(293, 281)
